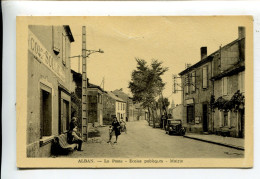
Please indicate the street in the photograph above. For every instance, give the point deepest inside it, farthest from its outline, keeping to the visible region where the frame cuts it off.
(143, 141)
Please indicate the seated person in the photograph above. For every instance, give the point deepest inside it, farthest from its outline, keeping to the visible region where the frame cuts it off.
(73, 138)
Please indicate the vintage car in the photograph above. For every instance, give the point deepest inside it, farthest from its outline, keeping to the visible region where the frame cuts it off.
(174, 126)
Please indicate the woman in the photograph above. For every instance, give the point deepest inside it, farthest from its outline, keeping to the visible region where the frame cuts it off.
(115, 130)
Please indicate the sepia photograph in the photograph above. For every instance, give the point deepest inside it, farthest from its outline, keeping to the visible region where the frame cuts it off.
(134, 91)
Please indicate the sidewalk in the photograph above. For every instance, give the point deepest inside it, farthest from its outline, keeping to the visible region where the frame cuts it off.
(236, 143)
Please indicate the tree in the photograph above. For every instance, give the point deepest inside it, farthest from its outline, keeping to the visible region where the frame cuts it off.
(146, 84)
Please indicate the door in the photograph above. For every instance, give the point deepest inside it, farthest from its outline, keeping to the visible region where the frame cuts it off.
(242, 131)
(190, 114)
(205, 118)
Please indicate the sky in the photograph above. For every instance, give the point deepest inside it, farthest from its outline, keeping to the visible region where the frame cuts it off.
(172, 40)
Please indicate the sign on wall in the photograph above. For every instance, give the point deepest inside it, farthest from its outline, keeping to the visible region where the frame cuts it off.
(44, 56)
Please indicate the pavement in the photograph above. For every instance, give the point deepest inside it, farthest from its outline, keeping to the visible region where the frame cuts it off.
(236, 143)
(143, 141)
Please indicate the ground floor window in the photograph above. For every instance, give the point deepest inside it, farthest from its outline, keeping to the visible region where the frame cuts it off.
(45, 111)
(225, 118)
(190, 114)
(64, 109)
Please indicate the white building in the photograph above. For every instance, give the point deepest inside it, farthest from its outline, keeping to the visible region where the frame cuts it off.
(120, 107)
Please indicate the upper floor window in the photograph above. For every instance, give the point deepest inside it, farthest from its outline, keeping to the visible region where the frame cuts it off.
(241, 81)
(187, 84)
(205, 77)
(193, 81)
(64, 49)
(225, 86)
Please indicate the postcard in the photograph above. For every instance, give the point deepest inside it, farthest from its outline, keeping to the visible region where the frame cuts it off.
(134, 92)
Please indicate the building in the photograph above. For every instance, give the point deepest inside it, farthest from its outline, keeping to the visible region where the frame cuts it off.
(94, 100)
(129, 104)
(95, 104)
(216, 76)
(229, 88)
(48, 82)
(120, 106)
(109, 109)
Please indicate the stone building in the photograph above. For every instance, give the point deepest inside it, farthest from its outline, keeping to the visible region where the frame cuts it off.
(48, 82)
(213, 80)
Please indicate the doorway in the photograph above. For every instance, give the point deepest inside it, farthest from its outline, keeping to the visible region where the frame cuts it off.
(205, 118)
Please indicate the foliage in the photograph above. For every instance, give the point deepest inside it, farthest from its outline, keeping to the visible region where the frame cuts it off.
(163, 103)
(146, 83)
(236, 102)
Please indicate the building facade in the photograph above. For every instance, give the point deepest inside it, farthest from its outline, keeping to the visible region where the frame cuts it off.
(49, 95)
(120, 106)
(209, 87)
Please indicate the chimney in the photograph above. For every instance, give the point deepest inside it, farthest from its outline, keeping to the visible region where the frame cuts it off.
(203, 52)
(241, 32)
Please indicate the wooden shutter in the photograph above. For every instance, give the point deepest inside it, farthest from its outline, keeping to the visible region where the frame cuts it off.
(205, 77)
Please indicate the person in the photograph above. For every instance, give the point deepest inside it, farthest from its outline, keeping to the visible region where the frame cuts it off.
(73, 138)
(73, 123)
(123, 126)
(114, 130)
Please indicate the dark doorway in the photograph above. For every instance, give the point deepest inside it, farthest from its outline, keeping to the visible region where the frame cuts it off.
(46, 113)
(242, 131)
(205, 118)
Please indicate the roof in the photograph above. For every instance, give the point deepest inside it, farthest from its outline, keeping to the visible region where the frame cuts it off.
(112, 95)
(121, 94)
(208, 58)
(231, 71)
(67, 29)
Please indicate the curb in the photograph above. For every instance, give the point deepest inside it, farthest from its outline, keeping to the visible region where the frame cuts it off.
(217, 143)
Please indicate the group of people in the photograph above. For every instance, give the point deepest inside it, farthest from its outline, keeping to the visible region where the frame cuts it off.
(116, 128)
(74, 137)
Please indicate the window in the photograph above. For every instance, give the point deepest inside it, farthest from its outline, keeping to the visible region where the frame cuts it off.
(64, 49)
(224, 86)
(241, 81)
(56, 35)
(205, 77)
(190, 114)
(187, 83)
(225, 118)
(121, 106)
(64, 109)
(64, 120)
(45, 111)
(193, 81)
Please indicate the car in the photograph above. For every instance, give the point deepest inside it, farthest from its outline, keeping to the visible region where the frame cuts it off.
(174, 126)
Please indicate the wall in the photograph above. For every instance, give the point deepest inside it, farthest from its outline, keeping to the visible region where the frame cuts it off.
(40, 73)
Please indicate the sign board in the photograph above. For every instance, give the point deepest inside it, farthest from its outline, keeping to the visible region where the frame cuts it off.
(197, 120)
(189, 101)
(44, 56)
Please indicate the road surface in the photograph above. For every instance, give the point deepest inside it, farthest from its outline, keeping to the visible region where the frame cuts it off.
(143, 141)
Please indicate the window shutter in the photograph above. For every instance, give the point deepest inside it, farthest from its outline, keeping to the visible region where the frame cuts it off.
(56, 40)
(193, 81)
(205, 77)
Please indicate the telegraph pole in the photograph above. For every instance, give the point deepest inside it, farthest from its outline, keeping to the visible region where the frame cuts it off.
(84, 86)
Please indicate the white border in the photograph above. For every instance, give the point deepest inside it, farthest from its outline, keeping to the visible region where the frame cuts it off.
(11, 9)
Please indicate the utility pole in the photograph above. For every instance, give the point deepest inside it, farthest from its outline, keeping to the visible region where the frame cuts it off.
(84, 86)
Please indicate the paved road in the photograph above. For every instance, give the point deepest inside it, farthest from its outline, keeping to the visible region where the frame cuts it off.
(143, 141)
